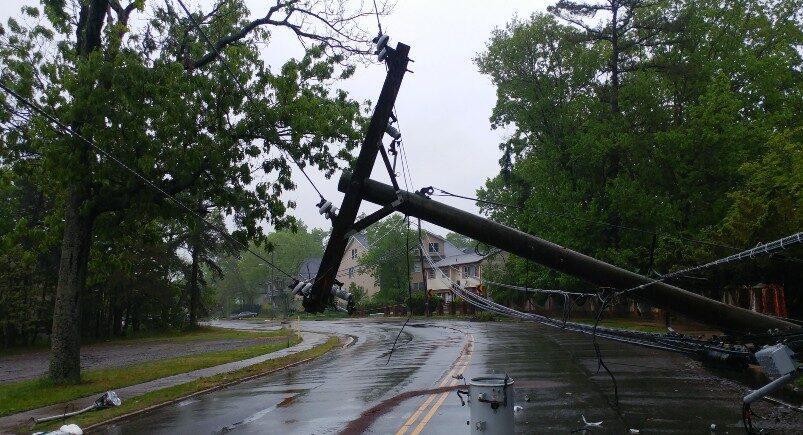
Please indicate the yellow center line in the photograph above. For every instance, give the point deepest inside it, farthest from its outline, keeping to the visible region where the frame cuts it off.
(431, 397)
(432, 411)
(459, 367)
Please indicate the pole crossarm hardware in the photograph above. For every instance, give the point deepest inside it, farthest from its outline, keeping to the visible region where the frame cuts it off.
(725, 317)
(374, 217)
(396, 59)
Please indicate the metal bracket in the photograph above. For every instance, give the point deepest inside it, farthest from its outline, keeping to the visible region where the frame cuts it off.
(374, 217)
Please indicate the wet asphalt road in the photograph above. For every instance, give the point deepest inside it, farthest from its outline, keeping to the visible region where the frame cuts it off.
(659, 392)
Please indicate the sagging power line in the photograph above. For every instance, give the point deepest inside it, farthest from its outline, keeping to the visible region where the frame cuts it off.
(61, 128)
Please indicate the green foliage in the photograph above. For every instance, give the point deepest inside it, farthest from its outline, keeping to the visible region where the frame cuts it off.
(358, 293)
(460, 240)
(244, 278)
(143, 94)
(703, 142)
(387, 258)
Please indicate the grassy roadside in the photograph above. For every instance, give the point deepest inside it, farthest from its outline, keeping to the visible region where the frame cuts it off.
(634, 325)
(20, 396)
(179, 392)
(200, 333)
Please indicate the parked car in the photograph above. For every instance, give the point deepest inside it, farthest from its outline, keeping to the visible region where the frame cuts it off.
(243, 315)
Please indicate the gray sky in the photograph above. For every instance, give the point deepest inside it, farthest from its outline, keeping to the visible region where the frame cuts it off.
(443, 106)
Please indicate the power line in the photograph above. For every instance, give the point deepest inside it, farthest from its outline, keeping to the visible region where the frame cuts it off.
(65, 129)
(764, 249)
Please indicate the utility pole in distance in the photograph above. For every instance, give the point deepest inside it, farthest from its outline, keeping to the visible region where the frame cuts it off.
(321, 292)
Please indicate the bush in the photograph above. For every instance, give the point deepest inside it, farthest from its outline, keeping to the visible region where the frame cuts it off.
(484, 316)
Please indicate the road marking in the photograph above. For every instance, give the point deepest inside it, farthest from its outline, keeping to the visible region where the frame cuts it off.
(407, 424)
(458, 368)
(432, 411)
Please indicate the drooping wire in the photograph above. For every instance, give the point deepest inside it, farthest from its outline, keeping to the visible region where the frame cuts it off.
(600, 361)
(241, 87)
(409, 288)
(62, 128)
(763, 249)
(378, 22)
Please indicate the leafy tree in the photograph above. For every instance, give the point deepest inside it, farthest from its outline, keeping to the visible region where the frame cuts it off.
(246, 277)
(358, 293)
(157, 98)
(460, 240)
(698, 157)
(387, 257)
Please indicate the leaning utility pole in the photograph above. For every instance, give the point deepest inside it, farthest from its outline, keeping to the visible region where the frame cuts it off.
(320, 295)
(697, 307)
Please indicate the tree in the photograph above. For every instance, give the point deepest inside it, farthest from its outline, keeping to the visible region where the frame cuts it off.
(678, 174)
(156, 98)
(630, 26)
(246, 276)
(460, 240)
(387, 258)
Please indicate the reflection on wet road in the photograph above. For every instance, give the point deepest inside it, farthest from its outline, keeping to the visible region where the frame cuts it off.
(658, 391)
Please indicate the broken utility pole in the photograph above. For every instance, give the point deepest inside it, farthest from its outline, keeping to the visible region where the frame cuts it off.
(725, 317)
(320, 295)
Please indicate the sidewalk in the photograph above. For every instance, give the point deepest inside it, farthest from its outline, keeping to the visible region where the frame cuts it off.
(10, 423)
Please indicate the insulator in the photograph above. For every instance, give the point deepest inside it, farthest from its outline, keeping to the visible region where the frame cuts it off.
(298, 287)
(325, 207)
(306, 289)
(383, 53)
(392, 132)
(340, 293)
(382, 42)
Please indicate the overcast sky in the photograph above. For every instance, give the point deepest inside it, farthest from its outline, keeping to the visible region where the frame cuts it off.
(443, 106)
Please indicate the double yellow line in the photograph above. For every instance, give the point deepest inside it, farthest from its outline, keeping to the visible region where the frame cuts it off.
(458, 368)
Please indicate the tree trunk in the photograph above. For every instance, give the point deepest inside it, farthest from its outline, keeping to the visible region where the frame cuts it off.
(65, 360)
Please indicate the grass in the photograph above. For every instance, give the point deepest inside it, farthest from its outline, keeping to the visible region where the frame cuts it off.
(328, 315)
(200, 333)
(170, 394)
(635, 325)
(20, 396)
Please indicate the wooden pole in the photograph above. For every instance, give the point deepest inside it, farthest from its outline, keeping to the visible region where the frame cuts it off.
(725, 317)
(320, 295)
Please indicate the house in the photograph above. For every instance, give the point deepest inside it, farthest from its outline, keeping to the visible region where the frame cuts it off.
(350, 270)
(463, 267)
(448, 264)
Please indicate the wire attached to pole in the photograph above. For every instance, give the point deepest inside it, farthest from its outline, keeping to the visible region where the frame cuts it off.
(409, 288)
(65, 129)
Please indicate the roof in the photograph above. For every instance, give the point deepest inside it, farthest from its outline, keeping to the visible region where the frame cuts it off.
(309, 268)
(360, 237)
(452, 260)
(450, 250)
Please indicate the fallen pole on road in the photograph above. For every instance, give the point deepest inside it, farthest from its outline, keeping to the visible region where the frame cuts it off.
(700, 308)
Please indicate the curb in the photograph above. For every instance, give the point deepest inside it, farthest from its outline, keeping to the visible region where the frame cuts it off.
(204, 391)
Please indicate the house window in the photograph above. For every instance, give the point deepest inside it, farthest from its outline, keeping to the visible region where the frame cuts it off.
(466, 271)
(431, 273)
(417, 267)
(351, 272)
(434, 247)
(353, 254)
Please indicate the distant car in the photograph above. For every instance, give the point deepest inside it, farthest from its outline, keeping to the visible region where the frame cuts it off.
(243, 315)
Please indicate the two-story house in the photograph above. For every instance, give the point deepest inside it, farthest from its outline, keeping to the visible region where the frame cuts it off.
(463, 267)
